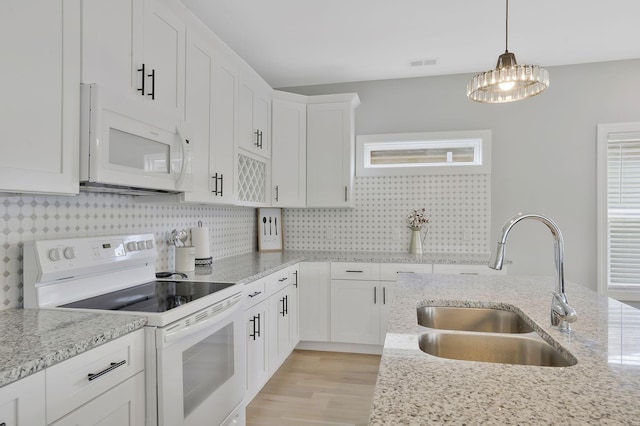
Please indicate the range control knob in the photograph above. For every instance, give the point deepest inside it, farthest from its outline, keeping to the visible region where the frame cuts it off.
(54, 254)
(69, 253)
(141, 245)
(149, 244)
(132, 246)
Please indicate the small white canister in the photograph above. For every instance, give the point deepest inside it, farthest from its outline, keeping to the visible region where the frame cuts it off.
(185, 259)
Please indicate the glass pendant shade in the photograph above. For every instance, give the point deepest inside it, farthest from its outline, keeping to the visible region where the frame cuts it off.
(508, 82)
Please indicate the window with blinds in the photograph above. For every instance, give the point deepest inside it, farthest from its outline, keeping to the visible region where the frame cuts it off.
(619, 209)
(462, 152)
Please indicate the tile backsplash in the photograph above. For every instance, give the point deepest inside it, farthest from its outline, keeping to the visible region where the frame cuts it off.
(36, 217)
(458, 206)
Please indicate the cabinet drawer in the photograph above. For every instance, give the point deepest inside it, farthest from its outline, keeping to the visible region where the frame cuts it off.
(466, 270)
(355, 271)
(390, 271)
(255, 292)
(82, 378)
(279, 280)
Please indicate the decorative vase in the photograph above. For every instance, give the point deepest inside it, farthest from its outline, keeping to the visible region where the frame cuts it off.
(415, 247)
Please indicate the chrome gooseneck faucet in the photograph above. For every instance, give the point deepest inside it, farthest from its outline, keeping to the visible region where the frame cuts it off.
(561, 313)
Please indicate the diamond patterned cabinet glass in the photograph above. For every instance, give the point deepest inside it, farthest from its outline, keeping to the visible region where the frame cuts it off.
(252, 176)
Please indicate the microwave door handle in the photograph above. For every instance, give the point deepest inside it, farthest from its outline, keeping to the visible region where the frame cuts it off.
(184, 144)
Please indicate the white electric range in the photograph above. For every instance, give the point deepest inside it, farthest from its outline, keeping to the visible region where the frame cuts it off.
(195, 350)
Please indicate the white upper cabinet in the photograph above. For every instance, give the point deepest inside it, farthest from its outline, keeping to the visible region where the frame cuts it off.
(255, 114)
(210, 110)
(330, 150)
(137, 50)
(289, 150)
(40, 86)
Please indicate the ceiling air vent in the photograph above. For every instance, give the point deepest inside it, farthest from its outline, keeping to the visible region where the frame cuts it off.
(417, 63)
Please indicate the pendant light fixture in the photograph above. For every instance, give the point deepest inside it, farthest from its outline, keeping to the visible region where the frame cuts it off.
(508, 82)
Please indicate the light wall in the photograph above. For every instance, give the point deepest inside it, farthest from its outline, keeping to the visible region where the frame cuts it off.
(543, 156)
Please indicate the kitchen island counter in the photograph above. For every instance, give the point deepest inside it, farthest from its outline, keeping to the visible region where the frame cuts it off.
(34, 339)
(414, 388)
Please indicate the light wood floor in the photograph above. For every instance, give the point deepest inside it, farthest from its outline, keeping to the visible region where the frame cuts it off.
(317, 388)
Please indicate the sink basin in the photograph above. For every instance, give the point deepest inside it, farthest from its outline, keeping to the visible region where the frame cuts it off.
(472, 319)
(497, 348)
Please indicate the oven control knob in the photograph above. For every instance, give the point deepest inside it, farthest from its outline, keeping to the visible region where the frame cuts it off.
(149, 244)
(141, 245)
(132, 246)
(54, 254)
(69, 253)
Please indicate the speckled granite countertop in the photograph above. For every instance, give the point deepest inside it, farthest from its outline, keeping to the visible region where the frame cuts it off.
(249, 267)
(32, 339)
(414, 388)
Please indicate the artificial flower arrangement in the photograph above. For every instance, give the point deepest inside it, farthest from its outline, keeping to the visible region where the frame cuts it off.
(417, 218)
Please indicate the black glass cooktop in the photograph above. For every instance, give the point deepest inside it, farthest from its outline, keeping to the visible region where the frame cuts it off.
(154, 296)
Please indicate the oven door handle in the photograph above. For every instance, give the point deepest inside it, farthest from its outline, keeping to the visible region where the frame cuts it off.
(172, 334)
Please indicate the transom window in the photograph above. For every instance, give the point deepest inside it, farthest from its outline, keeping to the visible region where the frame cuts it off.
(423, 153)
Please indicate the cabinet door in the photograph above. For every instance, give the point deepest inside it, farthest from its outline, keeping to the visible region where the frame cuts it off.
(355, 311)
(40, 86)
(314, 300)
(122, 405)
(22, 402)
(279, 329)
(164, 46)
(387, 288)
(289, 154)
(257, 365)
(330, 154)
(255, 115)
(294, 307)
(198, 113)
(112, 45)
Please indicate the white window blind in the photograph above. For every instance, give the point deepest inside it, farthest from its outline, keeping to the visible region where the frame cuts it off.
(623, 205)
(622, 210)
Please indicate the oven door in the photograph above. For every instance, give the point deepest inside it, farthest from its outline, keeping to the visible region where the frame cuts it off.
(201, 367)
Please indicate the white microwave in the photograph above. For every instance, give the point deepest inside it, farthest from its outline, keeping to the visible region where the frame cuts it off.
(126, 155)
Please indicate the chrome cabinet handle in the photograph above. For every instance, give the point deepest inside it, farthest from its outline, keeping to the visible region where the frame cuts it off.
(296, 274)
(283, 279)
(255, 293)
(277, 193)
(345, 193)
(384, 295)
(375, 295)
(354, 271)
(113, 366)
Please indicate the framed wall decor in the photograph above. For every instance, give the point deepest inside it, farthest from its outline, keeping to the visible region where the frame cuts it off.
(270, 238)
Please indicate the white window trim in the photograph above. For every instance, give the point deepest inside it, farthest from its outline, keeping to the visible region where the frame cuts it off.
(454, 137)
(602, 253)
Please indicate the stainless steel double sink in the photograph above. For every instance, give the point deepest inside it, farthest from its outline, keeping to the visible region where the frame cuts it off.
(486, 335)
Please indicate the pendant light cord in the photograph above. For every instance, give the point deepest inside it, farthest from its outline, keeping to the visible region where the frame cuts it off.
(506, 29)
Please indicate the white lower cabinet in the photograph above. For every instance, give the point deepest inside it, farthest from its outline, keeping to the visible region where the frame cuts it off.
(109, 375)
(314, 301)
(122, 405)
(256, 319)
(355, 311)
(272, 331)
(22, 402)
